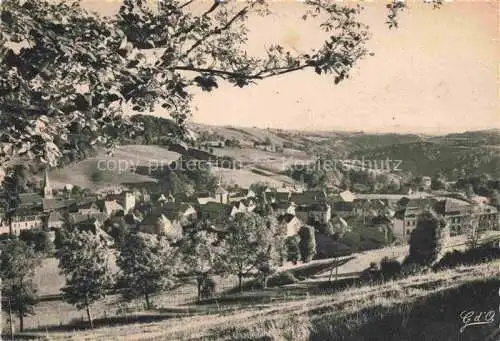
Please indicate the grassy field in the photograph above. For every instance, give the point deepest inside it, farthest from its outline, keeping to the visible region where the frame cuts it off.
(115, 169)
(53, 314)
(119, 167)
(421, 307)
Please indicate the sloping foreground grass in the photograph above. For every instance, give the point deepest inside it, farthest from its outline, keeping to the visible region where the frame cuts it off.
(421, 308)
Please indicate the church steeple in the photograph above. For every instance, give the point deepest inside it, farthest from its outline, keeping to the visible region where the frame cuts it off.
(221, 195)
(47, 189)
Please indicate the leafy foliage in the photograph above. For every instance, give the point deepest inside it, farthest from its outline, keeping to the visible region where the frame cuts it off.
(200, 252)
(39, 240)
(250, 245)
(390, 268)
(426, 239)
(292, 247)
(17, 266)
(67, 75)
(307, 243)
(148, 265)
(84, 260)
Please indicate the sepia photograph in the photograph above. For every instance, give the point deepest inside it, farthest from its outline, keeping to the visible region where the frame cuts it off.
(250, 170)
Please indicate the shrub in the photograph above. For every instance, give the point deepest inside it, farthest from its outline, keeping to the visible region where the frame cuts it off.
(426, 240)
(411, 269)
(39, 240)
(97, 176)
(292, 249)
(208, 287)
(468, 257)
(307, 243)
(372, 274)
(390, 268)
(283, 278)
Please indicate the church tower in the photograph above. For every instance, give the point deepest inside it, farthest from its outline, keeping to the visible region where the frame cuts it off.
(221, 195)
(47, 189)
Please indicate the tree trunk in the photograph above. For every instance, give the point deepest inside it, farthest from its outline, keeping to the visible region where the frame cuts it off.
(11, 320)
(199, 281)
(21, 320)
(264, 282)
(10, 226)
(146, 297)
(89, 315)
(240, 283)
(336, 271)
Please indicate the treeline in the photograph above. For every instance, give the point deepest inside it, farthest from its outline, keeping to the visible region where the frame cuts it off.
(155, 131)
(428, 158)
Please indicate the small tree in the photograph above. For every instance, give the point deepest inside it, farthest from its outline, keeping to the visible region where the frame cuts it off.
(117, 228)
(248, 246)
(83, 259)
(17, 267)
(14, 183)
(199, 255)
(292, 247)
(390, 268)
(275, 254)
(307, 243)
(426, 239)
(148, 265)
(39, 240)
(76, 190)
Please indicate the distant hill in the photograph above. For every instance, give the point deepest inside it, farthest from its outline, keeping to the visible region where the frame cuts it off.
(474, 152)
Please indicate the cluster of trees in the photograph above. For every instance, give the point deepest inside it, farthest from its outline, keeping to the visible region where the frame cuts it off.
(428, 158)
(483, 185)
(362, 179)
(250, 245)
(155, 130)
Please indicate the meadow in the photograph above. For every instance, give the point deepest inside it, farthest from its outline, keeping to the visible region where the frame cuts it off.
(57, 318)
(420, 307)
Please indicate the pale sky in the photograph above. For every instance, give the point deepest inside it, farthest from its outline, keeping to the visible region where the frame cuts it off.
(437, 73)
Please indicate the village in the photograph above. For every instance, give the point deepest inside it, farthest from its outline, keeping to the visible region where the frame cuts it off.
(164, 214)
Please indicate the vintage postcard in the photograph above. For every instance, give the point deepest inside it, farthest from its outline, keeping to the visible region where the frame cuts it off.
(250, 170)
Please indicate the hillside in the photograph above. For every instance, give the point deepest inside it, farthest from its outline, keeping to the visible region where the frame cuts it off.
(429, 157)
(420, 307)
(114, 169)
(473, 152)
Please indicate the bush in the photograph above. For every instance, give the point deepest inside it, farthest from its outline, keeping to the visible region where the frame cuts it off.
(411, 269)
(208, 287)
(390, 268)
(39, 240)
(370, 275)
(307, 243)
(469, 257)
(97, 176)
(292, 249)
(426, 240)
(283, 278)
